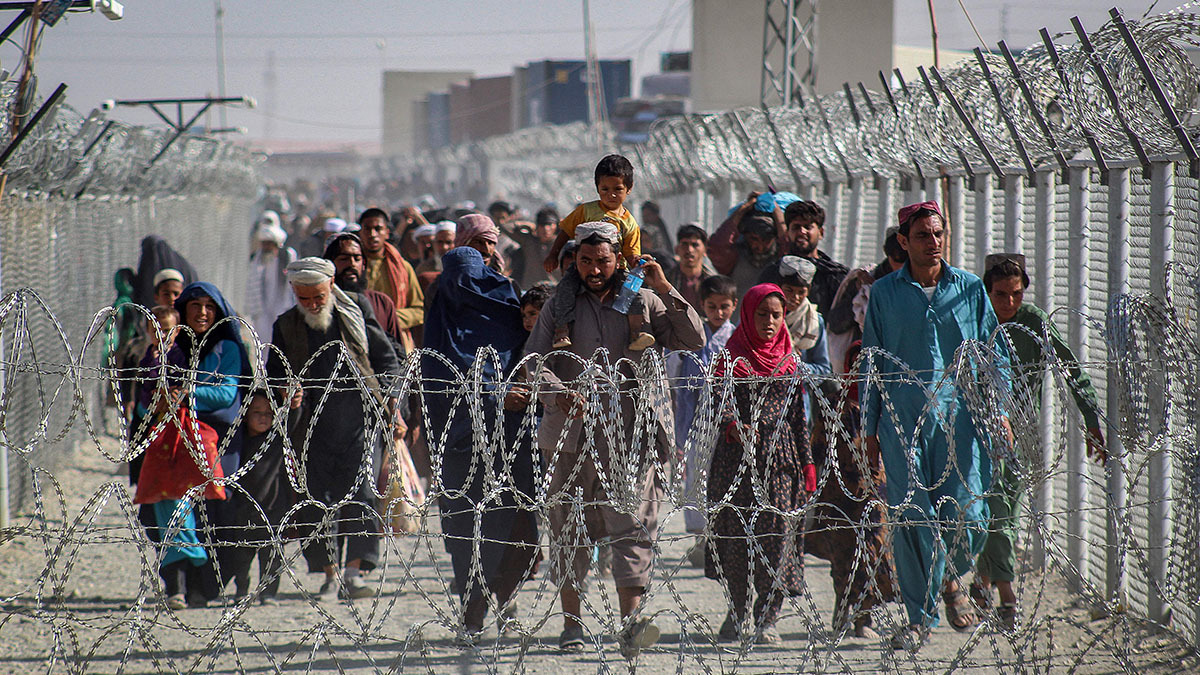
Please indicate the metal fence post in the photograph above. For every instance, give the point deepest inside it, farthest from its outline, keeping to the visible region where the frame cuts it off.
(933, 189)
(915, 193)
(1162, 253)
(1077, 285)
(983, 219)
(5, 494)
(853, 222)
(887, 209)
(958, 221)
(834, 214)
(1043, 494)
(1014, 207)
(1118, 284)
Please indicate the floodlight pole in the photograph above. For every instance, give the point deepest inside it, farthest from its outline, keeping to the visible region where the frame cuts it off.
(179, 124)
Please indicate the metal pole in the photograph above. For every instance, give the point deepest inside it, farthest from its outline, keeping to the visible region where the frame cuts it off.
(1162, 253)
(1118, 284)
(221, 60)
(1077, 284)
(5, 490)
(1014, 207)
(853, 222)
(983, 219)
(933, 190)
(915, 193)
(887, 209)
(958, 221)
(1043, 493)
(833, 213)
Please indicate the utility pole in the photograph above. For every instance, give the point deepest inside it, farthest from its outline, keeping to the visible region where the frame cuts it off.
(221, 61)
(1004, 22)
(270, 78)
(595, 93)
(789, 35)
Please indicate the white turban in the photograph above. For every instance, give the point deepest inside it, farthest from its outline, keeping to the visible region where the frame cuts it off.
(268, 231)
(334, 225)
(426, 230)
(445, 226)
(270, 217)
(310, 271)
(606, 231)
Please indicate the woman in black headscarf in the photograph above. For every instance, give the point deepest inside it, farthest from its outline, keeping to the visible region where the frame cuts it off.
(157, 255)
(486, 464)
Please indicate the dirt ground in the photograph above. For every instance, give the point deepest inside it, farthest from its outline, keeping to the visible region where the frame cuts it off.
(80, 595)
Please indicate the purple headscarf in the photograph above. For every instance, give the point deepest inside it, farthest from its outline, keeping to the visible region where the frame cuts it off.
(475, 225)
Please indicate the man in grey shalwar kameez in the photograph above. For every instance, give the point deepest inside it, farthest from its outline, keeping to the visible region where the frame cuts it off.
(619, 482)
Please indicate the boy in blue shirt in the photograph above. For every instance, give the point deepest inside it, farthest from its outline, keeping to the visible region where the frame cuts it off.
(718, 302)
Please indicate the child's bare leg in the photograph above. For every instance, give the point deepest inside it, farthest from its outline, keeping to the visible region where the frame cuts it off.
(639, 339)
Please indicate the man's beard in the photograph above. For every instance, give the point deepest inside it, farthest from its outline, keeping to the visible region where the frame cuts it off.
(802, 249)
(323, 319)
(608, 283)
(349, 282)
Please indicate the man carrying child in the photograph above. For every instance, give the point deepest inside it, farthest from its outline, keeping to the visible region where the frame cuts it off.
(614, 180)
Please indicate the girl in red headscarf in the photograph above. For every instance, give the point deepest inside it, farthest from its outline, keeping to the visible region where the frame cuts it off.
(761, 469)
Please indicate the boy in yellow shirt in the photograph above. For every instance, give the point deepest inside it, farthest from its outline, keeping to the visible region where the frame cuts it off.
(614, 180)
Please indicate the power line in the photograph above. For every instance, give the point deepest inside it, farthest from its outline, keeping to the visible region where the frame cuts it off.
(259, 37)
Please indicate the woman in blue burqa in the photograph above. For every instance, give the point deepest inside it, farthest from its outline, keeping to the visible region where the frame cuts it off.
(484, 452)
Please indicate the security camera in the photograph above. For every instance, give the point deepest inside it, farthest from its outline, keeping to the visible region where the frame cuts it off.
(108, 105)
(111, 9)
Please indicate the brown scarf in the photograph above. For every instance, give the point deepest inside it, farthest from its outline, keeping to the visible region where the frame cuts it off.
(397, 275)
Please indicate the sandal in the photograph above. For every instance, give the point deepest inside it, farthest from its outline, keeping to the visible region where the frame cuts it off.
(1007, 612)
(909, 638)
(981, 595)
(961, 614)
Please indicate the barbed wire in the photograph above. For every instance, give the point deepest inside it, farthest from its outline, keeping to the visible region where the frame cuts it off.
(416, 601)
(73, 155)
(984, 115)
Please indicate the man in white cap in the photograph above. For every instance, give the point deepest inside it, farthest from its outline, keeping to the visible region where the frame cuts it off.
(341, 428)
(424, 235)
(267, 291)
(579, 451)
(442, 242)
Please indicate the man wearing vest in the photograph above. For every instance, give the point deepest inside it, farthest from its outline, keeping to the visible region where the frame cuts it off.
(342, 423)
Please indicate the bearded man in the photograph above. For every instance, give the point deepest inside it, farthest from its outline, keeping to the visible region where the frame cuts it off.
(345, 252)
(347, 406)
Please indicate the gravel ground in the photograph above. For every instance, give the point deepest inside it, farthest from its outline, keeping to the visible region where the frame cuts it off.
(81, 597)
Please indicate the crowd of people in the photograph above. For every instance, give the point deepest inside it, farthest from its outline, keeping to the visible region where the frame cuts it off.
(828, 387)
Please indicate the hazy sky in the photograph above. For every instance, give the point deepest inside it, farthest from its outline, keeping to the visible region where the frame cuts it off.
(329, 54)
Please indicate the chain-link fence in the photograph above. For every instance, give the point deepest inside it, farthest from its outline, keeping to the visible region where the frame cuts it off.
(1078, 152)
(79, 195)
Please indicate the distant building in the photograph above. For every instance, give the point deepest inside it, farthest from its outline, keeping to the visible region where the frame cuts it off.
(491, 100)
(437, 132)
(555, 92)
(403, 128)
(676, 83)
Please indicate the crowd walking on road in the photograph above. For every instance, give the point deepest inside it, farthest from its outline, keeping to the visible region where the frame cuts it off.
(475, 354)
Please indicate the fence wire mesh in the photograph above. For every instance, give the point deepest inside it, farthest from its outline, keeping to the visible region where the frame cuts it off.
(81, 589)
(79, 195)
(84, 564)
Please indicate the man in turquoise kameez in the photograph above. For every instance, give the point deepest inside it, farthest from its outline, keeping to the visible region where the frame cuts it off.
(918, 421)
